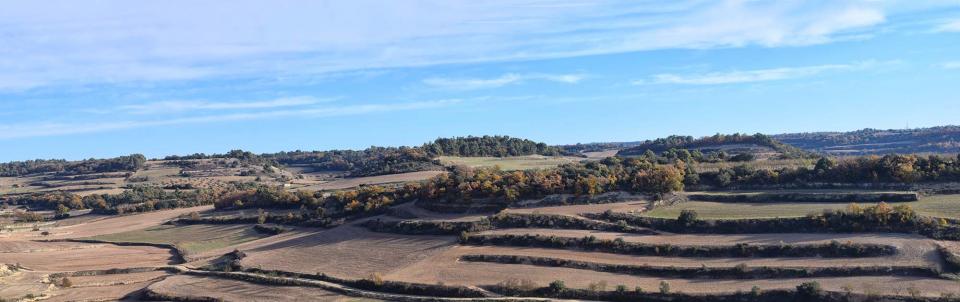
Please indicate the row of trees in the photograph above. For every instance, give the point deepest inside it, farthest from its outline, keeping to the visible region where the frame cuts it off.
(499, 146)
(864, 169)
(62, 167)
(136, 199)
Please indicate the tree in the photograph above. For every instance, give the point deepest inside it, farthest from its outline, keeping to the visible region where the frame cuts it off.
(808, 290)
(687, 217)
(62, 211)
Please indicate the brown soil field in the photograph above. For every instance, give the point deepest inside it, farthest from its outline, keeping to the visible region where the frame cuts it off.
(681, 261)
(234, 290)
(626, 206)
(447, 269)
(346, 183)
(345, 251)
(600, 154)
(19, 284)
(100, 256)
(96, 293)
(412, 211)
(116, 279)
(112, 224)
(104, 287)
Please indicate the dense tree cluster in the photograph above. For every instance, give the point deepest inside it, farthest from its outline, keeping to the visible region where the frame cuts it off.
(864, 169)
(464, 184)
(62, 167)
(611, 174)
(370, 161)
(498, 146)
(693, 146)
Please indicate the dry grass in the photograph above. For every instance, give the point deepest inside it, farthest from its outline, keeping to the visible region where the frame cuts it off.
(234, 290)
(89, 257)
(191, 239)
(728, 210)
(510, 163)
(116, 224)
(346, 183)
(936, 205)
(771, 164)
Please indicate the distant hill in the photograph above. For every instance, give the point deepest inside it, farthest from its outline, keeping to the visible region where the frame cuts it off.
(759, 145)
(941, 139)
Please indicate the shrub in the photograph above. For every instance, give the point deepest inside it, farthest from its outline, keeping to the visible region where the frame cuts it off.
(664, 287)
(66, 282)
(557, 286)
(809, 290)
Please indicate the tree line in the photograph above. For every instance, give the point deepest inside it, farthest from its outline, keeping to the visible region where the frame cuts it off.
(131, 163)
(864, 169)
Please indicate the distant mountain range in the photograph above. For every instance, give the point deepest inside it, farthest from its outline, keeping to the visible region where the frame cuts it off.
(941, 139)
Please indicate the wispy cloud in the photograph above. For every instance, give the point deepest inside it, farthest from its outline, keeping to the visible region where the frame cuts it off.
(114, 41)
(757, 75)
(179, 106)
(506, 79)
(23, 130)
(952, 26)
(950, 65)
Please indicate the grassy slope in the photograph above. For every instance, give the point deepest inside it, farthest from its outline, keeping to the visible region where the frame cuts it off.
(938, 205)
(191, 238)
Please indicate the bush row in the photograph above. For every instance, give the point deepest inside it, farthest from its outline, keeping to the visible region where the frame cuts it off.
(499, 221)
(270, 229)
(737, 272)
(807, 197)
(828, 222)
(952, 259)
(375, 283)
(807, 292)
(619, 246)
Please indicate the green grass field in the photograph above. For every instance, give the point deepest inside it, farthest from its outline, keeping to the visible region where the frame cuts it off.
(937, 206)
(509, 163)
(191, 238)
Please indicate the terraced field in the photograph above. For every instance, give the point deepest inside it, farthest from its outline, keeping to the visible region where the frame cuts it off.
(352, 252)
(936, 205)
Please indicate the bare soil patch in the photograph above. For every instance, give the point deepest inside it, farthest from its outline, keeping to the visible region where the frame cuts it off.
(346, 183)
(96, 257)
(234, 290)
(116, 224)
(346, 251)
(625, 206)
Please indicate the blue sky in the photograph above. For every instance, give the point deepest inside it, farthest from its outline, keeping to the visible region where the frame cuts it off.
(82, 79)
